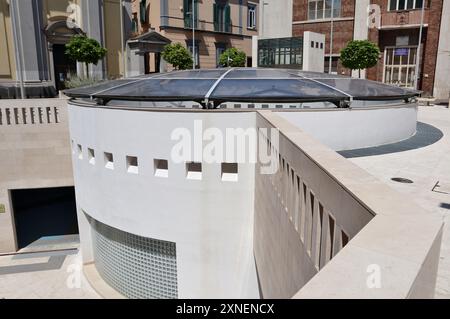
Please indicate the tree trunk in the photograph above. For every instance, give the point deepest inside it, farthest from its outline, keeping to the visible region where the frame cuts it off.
(87, 70)
(359, 73)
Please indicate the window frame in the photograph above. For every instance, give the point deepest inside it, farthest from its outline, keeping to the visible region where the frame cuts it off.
(320, 14)
(405, 8)
(187, 14)
(222, 16)
(252, 20)
(197, 51)
(220, 47)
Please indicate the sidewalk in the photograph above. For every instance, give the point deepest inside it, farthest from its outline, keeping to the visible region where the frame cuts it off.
(425, 166)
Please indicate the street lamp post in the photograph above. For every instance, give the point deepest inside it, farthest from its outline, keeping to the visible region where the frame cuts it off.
(122, 38)
(193, 32)
(331, 38)
(419, 48)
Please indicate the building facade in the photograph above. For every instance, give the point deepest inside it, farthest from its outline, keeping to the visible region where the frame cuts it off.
(392, 24)
(32, 38)
(219, 25)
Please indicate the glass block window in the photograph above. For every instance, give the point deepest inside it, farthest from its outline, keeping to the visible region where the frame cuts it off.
(135, 266)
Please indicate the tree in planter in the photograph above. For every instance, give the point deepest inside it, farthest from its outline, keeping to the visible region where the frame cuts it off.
(85, 50)
(233, 58)
(177, 55)
(360, 55)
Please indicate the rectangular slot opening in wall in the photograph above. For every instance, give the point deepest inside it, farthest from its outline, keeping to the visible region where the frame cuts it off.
(344, 239)
(80, 151)
(132, 165)
(109, 160)
(161, 168)
(230, 172)
(91, 156)
(194, 171)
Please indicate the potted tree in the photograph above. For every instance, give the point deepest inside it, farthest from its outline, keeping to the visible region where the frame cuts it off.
(177, 55)
(233, 58)
(360, 55)
(85, 50)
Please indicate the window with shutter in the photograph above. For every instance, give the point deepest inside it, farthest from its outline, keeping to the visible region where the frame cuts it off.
(227, 27)
(143, 11)
(216, 17)
(187, 10)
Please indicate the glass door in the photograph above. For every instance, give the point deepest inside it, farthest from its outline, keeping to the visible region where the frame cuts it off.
(400, 66)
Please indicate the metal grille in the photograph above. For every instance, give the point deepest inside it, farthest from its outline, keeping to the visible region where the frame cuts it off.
(137, 267)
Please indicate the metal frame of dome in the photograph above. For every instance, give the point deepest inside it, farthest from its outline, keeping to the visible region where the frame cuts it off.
(212, 87)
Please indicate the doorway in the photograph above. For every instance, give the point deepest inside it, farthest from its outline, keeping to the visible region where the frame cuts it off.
(44, 213)
(64, 66)
(400, 66)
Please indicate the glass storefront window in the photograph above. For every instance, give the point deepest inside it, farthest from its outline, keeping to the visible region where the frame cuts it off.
(283, 52)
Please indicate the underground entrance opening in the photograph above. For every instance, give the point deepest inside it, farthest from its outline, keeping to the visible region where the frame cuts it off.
(44, 215)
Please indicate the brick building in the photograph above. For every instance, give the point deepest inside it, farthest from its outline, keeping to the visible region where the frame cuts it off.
(395, 26)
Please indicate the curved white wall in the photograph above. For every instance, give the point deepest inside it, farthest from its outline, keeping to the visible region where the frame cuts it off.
(349, 129)
(210, 221)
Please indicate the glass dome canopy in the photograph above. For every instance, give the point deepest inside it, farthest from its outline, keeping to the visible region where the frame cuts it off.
(253, 85)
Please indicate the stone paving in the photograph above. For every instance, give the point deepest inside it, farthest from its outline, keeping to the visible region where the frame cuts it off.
(48, 275)
(429, 168)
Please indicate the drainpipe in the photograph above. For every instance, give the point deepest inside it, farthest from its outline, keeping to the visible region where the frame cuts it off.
(419, 48)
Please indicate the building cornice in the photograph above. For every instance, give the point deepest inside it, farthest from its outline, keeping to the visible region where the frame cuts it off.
(323, 20)
(404, 26)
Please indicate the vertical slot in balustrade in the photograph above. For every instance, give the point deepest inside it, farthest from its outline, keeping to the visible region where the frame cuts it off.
(292, 196)
(41, 115)
(310, 222)
(304, 210)
(344, 239)
(8, 116)
(298, 204)
(32, 115)
(24, 116)
(56, 113)
(319, 234)
(48, 112)
(16, 116)
(331, 227)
